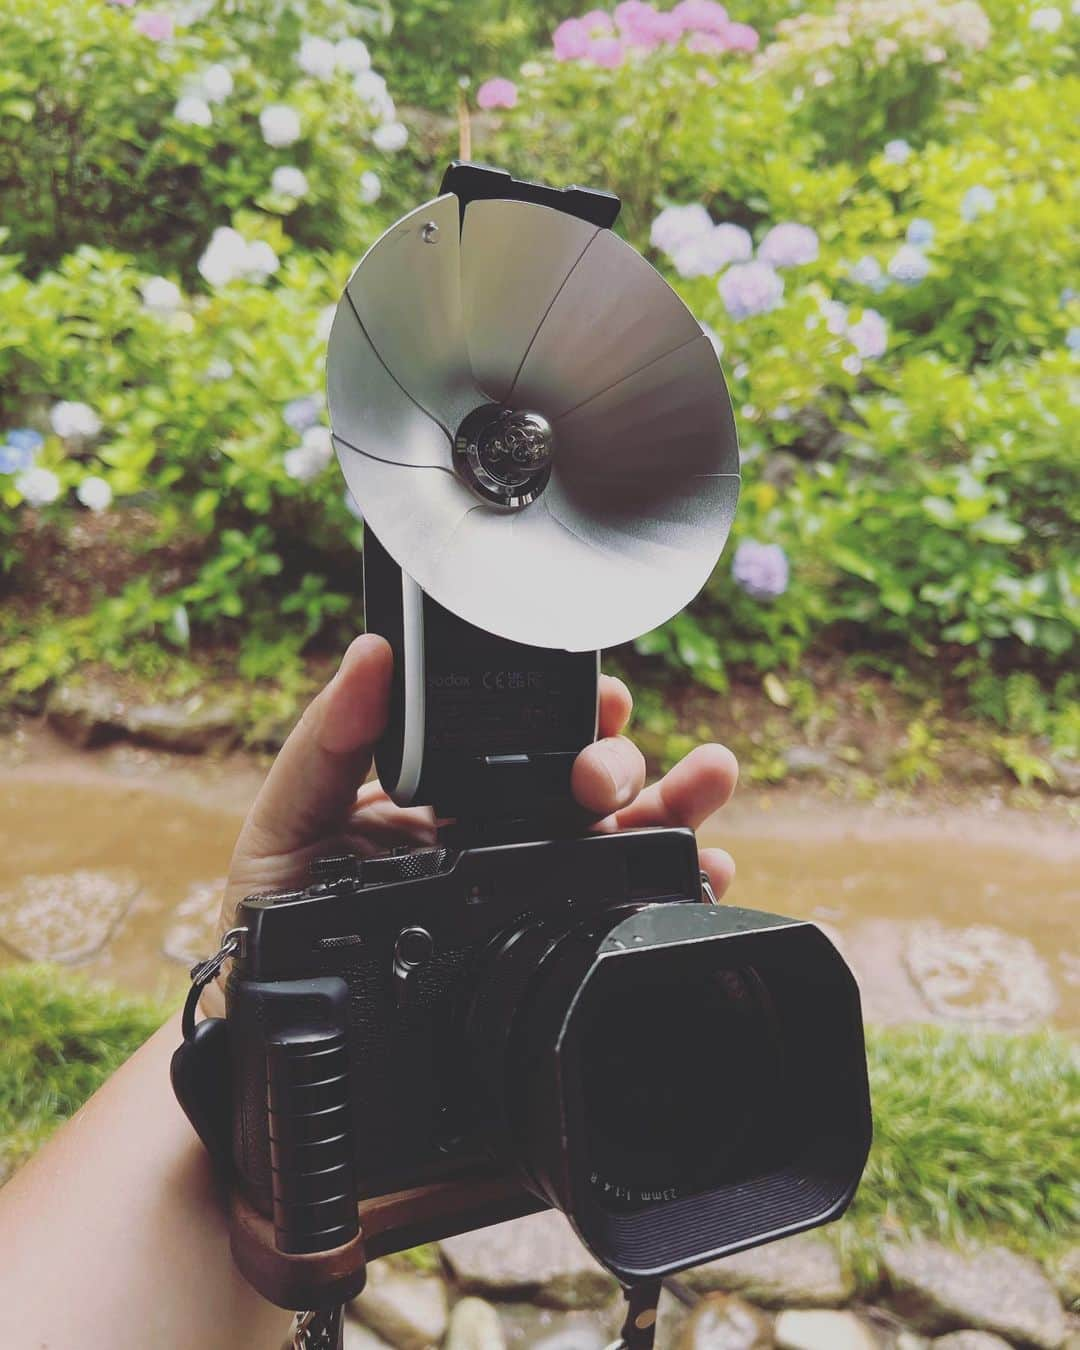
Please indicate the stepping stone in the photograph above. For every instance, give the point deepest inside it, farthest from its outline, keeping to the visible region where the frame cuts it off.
(65, 916)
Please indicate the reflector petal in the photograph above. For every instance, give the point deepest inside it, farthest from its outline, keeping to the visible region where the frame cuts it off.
(407, 294)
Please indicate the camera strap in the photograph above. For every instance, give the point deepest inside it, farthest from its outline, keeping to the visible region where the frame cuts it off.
(639, 1329)
(323, 1330)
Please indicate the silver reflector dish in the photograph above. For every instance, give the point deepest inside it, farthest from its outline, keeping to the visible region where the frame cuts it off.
(532, 422)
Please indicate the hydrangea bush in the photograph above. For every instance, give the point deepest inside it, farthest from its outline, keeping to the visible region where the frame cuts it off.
(870, 207)
(144, 127)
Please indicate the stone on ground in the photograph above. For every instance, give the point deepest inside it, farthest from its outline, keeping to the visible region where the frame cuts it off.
(822, 1329)
(970, 1340)
(475, 1325)
(404, 1308)
(996, 1290)
(798, 1271)
(65, 916)
(726, 1322)
(360, 1337)
(527, 1327)
(537, 1257)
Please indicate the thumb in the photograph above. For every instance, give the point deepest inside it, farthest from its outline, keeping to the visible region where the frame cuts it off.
(313, 782)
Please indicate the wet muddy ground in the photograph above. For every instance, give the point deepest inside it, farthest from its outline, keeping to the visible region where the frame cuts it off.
(111, 861)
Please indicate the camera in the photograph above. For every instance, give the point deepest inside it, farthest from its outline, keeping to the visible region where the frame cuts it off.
(570, 1018)
(534, 1012)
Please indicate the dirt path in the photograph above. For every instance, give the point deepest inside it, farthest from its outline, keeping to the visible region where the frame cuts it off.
(111, 860)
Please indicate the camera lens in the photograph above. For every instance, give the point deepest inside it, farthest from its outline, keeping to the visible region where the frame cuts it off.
(677, 1080)
(683, 1080)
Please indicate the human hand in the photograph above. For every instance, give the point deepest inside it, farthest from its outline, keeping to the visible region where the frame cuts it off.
(315, 801)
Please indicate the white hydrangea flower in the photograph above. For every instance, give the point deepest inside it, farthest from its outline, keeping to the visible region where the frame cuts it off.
(308, 459)
(161, 295)
(352, 56)
(216, 83)
(370, 86)
(676, 226)
(280, 125)
(37, 486)
(1047, 20)
(219, 369)
(317, 56)
(370, 187)
(94, 493)
(74, 421)
(193, 111)
(391, 136)
(289, 181)
(260, 261)
(224, 257)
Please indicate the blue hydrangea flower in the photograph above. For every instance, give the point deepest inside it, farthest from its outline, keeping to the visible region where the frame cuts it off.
(977, 202)
(908, 265)
(301, 413)
(868, 272)
(19, 450)
(14, 460)
(1072, 339)
(1067, 295)
(897, 152)
(25, 438)
(920, 232)
(761, 570)
(750, 288)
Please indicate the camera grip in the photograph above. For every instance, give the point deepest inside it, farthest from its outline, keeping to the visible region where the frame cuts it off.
(312, 1178)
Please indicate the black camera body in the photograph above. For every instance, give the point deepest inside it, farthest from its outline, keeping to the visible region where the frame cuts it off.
(570, 1017)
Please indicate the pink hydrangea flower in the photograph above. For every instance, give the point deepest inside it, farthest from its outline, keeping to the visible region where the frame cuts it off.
(706, 44)
(497, 93)
(607, 52)
(740, 37)
(155, 25)
(598, 23)
(643, 25)
(701, 16)
(571, 40)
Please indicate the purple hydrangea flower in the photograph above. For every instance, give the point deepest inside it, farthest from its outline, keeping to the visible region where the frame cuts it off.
(920, 232)
(750, 288)
(789, 245)
(706, 254)
(908, 265)
(897, 152)
(868, 272)
(761, 570)
(870, 335)
(1067, 296)
(301, 413)
(977, 202)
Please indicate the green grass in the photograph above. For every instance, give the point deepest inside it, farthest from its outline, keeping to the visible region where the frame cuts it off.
(977, 1137)
(60, 1038)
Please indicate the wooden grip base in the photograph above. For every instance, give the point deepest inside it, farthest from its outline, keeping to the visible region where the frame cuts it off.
(388, 1223)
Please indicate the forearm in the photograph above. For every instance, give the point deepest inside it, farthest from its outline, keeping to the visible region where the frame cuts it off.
(113, 1236)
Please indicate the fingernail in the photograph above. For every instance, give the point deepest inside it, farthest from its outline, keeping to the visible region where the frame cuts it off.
(622, 775)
